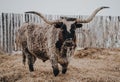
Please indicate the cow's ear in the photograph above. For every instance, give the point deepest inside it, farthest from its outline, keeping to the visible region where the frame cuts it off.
(58, 25)
(78, 25)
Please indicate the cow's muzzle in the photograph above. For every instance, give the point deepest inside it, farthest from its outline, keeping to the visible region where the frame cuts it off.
(69, 42)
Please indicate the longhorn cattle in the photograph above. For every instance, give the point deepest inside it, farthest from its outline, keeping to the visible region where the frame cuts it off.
(56, 41)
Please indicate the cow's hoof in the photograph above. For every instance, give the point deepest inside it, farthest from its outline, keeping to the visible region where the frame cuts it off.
(31, 69)
(56, 72)
(64, 71)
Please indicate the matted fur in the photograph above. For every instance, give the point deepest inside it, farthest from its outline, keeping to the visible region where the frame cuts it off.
(40, 42)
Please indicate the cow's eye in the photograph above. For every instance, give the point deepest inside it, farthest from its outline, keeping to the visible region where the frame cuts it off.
(78, 25)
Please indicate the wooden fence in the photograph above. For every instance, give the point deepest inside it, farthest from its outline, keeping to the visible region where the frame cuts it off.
(103, 31)
(9, 23)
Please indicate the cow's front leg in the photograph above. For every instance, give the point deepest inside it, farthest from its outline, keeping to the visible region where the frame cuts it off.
(64, 68)
(54, 66)
(63, 61)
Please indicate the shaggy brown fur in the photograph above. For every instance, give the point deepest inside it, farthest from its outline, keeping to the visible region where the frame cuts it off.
(40, 42)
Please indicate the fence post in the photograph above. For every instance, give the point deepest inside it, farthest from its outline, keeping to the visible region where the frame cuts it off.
(0, 31)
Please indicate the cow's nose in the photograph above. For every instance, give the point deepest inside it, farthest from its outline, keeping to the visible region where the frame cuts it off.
(69, 39)
(69, 42)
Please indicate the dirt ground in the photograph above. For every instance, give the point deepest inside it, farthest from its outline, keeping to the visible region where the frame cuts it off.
(87, 65)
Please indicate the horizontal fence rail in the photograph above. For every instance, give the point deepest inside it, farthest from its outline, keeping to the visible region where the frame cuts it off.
(101, 32)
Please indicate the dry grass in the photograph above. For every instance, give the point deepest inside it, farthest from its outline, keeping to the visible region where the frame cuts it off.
(94, 65)
(96, 52)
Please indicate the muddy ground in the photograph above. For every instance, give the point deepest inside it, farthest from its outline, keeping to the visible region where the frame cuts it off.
(88, 65)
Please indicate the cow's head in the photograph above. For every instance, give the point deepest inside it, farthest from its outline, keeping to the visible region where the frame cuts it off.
(67, 38)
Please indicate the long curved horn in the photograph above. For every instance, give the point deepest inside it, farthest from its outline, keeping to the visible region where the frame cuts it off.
(90, 18)
(43, 17)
